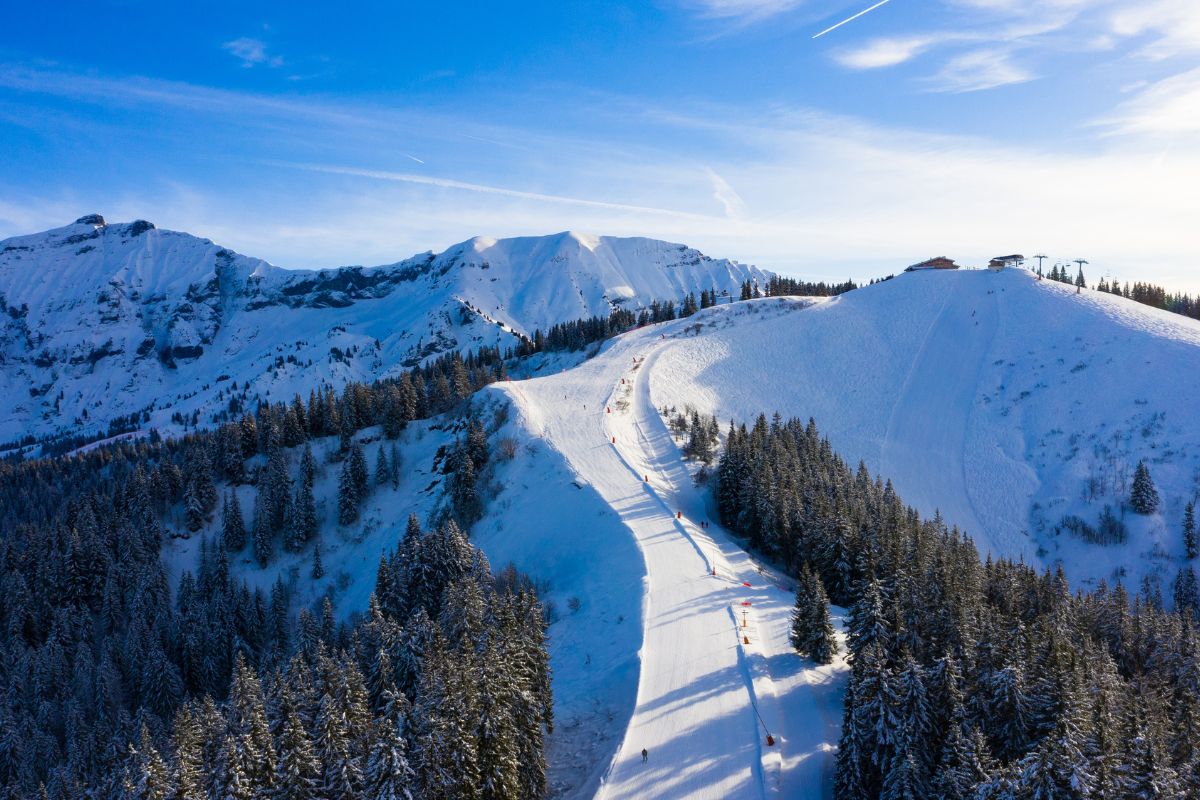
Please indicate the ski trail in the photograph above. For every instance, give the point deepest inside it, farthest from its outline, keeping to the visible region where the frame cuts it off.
(705, 680)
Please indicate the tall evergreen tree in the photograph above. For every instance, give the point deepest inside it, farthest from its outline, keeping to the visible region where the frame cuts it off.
(1190, 544)
(1144, 497)
(812, 633)
(233, 527)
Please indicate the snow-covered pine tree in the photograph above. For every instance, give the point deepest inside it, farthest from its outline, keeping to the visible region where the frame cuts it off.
(318, 569)
(348, 495)
(382, 470)
(359, 474)
(498, 733)
(342, 776)
(1144, 497)
(189, 741)
(916, 729)
(148, 776)
(465, 504)
(476, 443)
(228, 779)
(445, 755)
(812, 634)
(1186, 594)
(308, 467)
(1057, 766)
(1147, 773)
(233, 527)
(394, 466)
(388, 775)
(261, 534)
(192, 508)
(1191, 546)
(302, 526)
(1010, 710)
(275, 488)
(965, 762)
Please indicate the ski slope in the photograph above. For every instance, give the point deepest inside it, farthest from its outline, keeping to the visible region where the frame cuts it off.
(1004, 402)
(699, 682)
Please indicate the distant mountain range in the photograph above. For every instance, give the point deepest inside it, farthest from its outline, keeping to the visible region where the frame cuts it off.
(126, 321)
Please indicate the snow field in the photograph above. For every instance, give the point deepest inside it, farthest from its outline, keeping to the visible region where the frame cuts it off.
(994, 398)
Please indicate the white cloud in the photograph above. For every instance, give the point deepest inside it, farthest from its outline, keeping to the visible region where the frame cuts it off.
(1174, 24)
(723, 193)
(741, 10)
(1168, 107)
(251, 52)
(978, 70)
(519, 194)
(884, 52)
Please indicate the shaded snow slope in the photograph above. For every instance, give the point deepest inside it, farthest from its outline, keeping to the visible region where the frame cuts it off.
(100, 321)
(1006, 402)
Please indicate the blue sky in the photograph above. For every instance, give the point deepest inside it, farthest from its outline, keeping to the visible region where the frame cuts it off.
(362, 133)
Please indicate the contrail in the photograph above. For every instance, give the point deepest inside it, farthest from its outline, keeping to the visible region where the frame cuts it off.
(851, 19)
(448, 183)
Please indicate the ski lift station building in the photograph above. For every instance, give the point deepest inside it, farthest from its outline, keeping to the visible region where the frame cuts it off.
(1001, 262)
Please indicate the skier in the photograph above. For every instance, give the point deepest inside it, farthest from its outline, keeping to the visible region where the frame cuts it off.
(645, 755)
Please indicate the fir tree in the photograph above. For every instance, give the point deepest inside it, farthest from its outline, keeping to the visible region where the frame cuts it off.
(394, 467)
(1144, 497)
(342, 777)
(382, 470)
(812, 634)
(308, 467)
(151, 778)
(261, 535)
(1190, 544)
(302, 526)
(233, 527)
(388, 776)
(445, 754)
(318, 569)
(193, 508)
(348, 495)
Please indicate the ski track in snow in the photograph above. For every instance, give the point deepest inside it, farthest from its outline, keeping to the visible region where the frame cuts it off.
(699, 682)
(926, 433)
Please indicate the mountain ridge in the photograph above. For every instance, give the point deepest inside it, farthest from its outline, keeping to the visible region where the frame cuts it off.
(109, 320)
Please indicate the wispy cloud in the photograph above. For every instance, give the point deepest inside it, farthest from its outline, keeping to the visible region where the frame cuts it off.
(251, 52)
(1170, 107)
(744, 11)
(885, 51)
(978, 70)
(450, 183)
(1172, 25)
(727, 196)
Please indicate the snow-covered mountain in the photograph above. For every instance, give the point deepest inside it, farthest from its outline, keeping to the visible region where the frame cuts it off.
(101, 321)
(1011, 405)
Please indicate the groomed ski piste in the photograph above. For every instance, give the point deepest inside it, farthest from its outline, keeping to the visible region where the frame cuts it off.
(717, 675)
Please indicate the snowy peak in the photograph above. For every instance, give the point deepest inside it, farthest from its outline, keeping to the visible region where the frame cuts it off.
(535, 281)
(105, 320)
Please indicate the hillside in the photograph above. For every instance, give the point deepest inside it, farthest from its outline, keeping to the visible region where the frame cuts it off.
(103, 321)
(1005, 402)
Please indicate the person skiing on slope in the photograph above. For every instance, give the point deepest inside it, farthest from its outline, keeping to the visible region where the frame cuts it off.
(645, 755)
